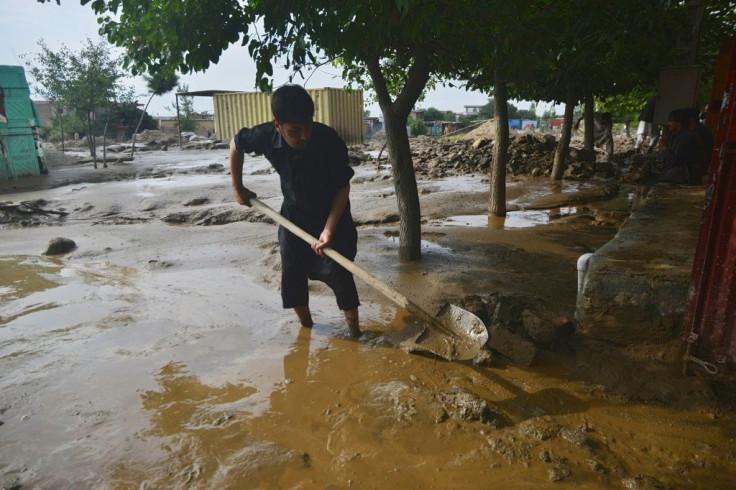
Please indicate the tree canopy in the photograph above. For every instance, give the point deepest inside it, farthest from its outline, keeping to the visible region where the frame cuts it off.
(129, 117)
(187, 115)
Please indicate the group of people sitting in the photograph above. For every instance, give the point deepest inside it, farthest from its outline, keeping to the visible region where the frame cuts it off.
(684, 154)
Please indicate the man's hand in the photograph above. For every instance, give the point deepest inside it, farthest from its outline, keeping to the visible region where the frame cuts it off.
(325, 240)
(243, 195)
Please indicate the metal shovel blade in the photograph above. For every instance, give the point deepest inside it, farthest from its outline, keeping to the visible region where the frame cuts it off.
(466, 337)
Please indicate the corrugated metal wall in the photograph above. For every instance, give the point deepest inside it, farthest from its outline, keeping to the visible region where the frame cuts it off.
(710, 318)
(20, 153)
(340, 109)
(234, 111)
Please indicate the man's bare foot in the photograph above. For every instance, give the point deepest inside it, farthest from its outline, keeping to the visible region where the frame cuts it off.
(305, 316)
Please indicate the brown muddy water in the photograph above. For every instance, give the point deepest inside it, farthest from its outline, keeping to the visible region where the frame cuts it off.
(115, 378)
(157, 356)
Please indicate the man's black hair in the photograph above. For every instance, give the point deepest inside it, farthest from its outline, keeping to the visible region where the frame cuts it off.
(693, 114)
(291, 103)
(681, 116)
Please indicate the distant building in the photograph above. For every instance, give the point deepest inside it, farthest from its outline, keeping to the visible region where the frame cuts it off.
(46, 112)
(417, 114)
(205, 124)
(472, 110)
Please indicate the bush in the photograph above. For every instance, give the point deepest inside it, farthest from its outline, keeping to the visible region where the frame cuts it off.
(417, 127)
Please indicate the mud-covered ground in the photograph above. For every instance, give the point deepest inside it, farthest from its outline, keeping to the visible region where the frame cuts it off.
(156, 354)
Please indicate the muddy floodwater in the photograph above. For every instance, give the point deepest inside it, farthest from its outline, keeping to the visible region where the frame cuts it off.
(156, 353)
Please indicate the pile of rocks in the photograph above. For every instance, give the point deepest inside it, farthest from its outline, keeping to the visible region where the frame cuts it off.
(202, 143)
(530, 154)
(518, 326)
(154, 137)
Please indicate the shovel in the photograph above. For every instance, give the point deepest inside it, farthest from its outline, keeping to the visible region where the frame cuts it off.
(456, 334)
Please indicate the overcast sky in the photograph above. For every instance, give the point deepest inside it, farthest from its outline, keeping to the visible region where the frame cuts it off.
(25, 22)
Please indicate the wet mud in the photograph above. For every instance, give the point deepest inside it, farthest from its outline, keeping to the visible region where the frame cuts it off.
(156, 354)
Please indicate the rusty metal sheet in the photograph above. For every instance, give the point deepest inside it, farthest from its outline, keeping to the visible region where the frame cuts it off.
(710, 318)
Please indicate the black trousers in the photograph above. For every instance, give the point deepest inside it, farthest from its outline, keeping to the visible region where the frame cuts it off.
(299, 263)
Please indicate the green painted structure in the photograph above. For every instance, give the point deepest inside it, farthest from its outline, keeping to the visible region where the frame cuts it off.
(21, 152)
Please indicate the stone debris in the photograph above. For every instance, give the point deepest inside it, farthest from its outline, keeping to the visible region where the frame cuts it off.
(462, 404)
(29, 213)
(518, 326)
(543, 325)
(60, 246)
(519, 350)
(205, 144)
(530, 154)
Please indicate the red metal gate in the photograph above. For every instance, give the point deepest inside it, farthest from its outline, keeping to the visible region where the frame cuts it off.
(710, 317)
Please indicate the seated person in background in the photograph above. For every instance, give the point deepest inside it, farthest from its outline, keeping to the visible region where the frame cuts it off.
(681, 159)
(684, 156)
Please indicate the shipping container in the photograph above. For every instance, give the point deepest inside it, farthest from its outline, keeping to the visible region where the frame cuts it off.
(340, 109)
(21, 152)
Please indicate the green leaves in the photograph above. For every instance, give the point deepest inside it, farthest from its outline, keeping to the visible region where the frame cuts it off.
(161, 82)
(175, 35)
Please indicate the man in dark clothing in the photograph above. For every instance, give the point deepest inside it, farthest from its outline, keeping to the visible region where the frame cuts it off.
(312, 163)
(683, 157)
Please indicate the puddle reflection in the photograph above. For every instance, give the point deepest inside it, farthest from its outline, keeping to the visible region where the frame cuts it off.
(513, 219)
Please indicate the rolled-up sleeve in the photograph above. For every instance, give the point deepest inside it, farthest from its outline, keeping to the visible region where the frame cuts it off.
(340, 170)
(258, 139)
(244, 140)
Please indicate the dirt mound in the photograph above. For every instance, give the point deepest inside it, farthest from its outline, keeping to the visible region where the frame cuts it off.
(485, 130)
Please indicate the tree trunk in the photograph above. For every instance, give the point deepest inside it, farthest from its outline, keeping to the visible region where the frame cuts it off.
(589, 135)
(696, 9)
(405, 184)
(91, 141)
(395, 115)
(178, 119)
(61, 125)
(140, 121)
(104, 144)
(497, 200)
(563, 146)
